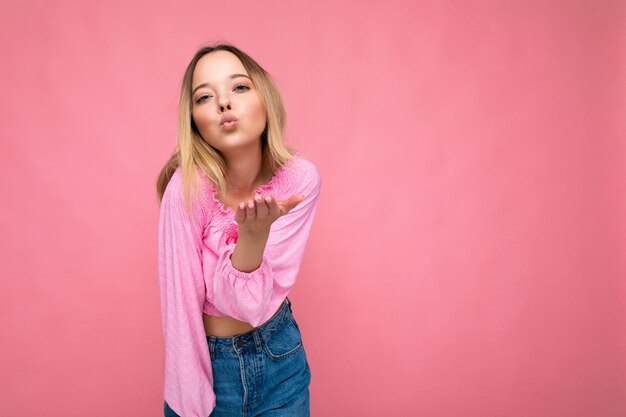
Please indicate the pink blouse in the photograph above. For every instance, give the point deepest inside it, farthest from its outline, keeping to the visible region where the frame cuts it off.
(196, 275)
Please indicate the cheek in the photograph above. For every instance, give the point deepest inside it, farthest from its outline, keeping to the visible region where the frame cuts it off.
(202, 120)
(197, 118)
(258, 111)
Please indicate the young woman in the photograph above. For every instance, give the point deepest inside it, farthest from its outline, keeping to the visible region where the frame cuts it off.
(236, 209)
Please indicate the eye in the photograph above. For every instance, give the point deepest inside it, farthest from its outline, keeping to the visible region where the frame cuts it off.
(200, 99)
(245, 87)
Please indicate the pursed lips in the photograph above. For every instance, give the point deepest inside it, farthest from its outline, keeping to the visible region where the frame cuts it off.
(227, 118)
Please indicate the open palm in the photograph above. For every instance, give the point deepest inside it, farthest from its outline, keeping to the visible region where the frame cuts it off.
(259, 214)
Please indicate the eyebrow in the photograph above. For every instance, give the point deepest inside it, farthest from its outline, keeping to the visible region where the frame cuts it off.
(231, 77)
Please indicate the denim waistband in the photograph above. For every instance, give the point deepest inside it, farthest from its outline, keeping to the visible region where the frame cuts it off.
(253, 337)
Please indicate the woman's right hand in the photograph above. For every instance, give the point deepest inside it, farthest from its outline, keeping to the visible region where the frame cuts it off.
(258, 215)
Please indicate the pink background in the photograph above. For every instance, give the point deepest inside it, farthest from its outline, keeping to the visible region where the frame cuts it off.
(468, 256)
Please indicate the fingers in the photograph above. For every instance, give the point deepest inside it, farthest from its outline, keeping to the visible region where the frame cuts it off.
(250, 210)
(258, 208)
(273, 208)
(240, 214)
(262, 210)
(292, 201)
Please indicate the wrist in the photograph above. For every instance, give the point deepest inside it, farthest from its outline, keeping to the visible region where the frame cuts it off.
(255, 232)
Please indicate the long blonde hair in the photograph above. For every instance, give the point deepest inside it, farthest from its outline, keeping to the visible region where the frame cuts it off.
(192, 153)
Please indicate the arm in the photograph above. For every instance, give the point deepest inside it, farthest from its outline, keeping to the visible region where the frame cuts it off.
(188, 373)
(245, 294)
(248, 253)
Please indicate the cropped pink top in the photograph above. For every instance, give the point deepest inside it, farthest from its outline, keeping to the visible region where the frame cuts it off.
(196, 275)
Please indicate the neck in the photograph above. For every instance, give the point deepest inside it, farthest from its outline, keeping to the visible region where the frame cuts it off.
(245, 172)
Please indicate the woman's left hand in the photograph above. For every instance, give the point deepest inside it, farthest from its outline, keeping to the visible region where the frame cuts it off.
(258, 215)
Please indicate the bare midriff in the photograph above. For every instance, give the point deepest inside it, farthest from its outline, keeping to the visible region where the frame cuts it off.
(224, 326)
(227, 326)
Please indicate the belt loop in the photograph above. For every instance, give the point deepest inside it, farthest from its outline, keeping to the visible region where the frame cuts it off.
(257, 339)
(211, 347)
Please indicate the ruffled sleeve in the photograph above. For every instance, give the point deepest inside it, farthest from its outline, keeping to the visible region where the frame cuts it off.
(188, 374)
(246, 295)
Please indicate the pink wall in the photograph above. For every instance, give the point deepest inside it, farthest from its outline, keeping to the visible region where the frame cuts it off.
(468, 254)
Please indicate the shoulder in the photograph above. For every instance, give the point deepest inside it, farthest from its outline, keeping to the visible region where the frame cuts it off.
(304, 164)
(174, 194)
(305, 176)
(305, 171)
(177, 182)
(174, 186)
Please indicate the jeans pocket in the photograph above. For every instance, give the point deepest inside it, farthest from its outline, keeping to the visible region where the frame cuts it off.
(285, 342)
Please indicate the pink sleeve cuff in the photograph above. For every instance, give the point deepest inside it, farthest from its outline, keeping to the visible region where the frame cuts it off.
(234, 273)
(242, 295)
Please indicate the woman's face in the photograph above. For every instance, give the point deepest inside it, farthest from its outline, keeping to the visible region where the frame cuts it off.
(220, 85)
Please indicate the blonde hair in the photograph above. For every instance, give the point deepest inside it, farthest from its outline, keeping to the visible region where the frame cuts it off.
(193, 154)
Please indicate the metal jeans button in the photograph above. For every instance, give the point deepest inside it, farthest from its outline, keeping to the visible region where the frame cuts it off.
(240, 343)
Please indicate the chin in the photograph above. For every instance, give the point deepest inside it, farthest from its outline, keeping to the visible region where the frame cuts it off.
(234, 139)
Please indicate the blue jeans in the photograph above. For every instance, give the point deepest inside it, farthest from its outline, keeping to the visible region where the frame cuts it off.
(263, 372)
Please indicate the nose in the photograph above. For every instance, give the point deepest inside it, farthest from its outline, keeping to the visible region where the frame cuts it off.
(224, 102)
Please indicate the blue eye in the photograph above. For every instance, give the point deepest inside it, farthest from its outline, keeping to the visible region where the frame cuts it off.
(200, 99)
(245, 87)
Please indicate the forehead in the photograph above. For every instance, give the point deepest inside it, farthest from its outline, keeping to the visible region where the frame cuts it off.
(217, 66)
